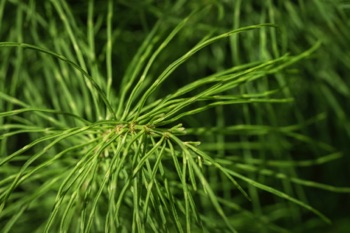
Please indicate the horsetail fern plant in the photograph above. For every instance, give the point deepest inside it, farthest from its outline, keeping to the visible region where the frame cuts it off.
(87, 149)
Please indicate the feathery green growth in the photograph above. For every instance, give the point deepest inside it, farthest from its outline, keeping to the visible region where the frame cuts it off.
(164, 117)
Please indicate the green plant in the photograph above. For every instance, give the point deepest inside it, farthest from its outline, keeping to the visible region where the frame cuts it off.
(154, 144)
